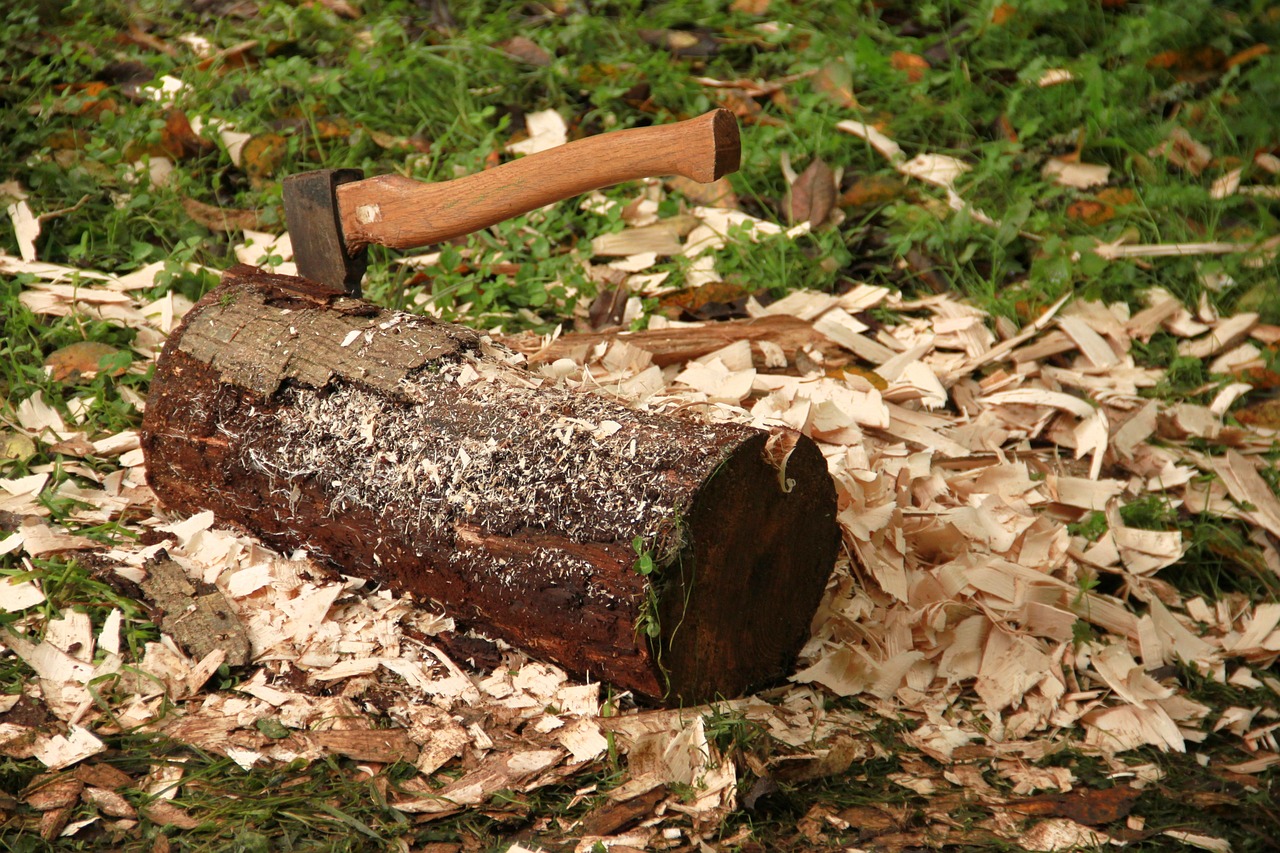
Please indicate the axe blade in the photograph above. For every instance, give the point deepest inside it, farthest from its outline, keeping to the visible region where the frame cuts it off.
(315, 228)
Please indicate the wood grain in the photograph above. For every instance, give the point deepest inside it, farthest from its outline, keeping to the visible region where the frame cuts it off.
(399, 212)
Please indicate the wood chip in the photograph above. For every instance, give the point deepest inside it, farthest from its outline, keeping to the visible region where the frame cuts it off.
(1246, 485)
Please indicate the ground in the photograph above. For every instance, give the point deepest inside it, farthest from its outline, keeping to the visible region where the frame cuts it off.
(1016, 264)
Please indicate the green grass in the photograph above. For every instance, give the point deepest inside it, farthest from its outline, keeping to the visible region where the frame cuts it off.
(323, 91)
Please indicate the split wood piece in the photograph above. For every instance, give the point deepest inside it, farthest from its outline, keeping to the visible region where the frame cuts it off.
(417, 453)
(678, 344)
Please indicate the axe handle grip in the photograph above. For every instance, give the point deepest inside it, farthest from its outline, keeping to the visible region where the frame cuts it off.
(399, 212)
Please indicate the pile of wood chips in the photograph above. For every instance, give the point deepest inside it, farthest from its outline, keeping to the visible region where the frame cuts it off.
(962, 450)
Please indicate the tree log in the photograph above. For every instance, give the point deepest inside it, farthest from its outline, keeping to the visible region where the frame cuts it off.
(419, 454)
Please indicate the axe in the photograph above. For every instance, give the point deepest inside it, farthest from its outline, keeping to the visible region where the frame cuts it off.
(333, 215)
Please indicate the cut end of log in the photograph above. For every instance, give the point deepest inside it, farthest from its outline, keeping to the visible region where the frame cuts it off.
(761, 539)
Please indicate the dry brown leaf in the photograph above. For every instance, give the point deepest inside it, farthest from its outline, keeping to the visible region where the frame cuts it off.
(1183, 151)
(1090, 211)
(872, 190)
(1003, 14)
(179, 140)
(80, 361)
(1247, 55)
(745, 107)
(263, 155)
(526, 50)
(1091, 807)
(835, 80)
(750, 7)
(217, 218)
(1263, 415)
(718, 193)
(813, 195)
(915, 66)
(85, 99)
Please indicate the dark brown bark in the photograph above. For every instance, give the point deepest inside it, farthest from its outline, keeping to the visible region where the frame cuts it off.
(413, 452)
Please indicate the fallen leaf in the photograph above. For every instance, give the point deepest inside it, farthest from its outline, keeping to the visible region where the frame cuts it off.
(873, 190)
(1090, 211)
(1191, 66)
(80, 360)
(15, 445)
(263, 155)
(217, 218)
(1091, 807)
(1247, 55)
(835, 80)
(718, 193)
(1003, 14)
(1264, 415)
(745, 107)
(526, 50)
(1183, 151)
(914, 66)
(813, 195)
(715, 299)
(179, 140)
(85, 99)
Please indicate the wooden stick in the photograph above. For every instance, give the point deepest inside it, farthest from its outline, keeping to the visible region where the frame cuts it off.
(395, 211)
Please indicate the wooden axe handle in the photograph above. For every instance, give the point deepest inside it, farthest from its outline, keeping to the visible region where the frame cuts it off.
(395, 211)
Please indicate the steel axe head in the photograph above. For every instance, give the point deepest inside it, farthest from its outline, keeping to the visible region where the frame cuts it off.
(315, 229)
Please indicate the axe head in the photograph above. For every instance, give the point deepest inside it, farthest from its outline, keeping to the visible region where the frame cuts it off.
(315, 228)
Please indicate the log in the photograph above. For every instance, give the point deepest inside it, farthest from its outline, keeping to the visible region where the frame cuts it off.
(421, 455)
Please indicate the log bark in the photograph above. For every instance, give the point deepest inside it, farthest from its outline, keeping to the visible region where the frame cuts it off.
(418, 454)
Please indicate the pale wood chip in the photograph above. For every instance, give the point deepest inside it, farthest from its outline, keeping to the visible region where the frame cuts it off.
(649, 241)
(1092, 345)
(1246, 485)
(546, 130)
(1236, 360)
(1072, 173)
(62, 751)
(1041, 397)
(1228, 333)
(1084, 493)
